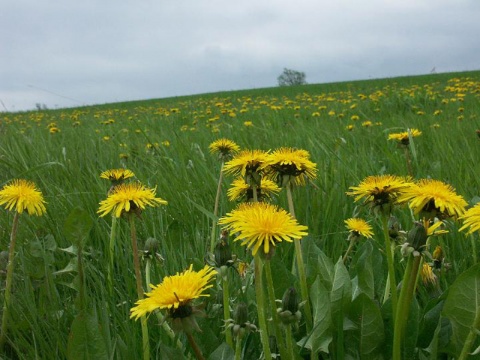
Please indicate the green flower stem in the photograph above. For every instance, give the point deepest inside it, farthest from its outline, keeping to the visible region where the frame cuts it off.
(238, 347)
(391, 283)
(300, 266)
(470, 337)
(111, 254)
(408, 160)
(8, 283)
(349, 249)
(273, 306)
(138, 278)
(262, 319)
(406, 295)
(226, 308)
(254, 193)
(474, 249)
(215, 209)
(195, 348)
(289, 336)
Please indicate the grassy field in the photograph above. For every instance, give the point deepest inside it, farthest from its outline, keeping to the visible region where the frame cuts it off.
(61, 305)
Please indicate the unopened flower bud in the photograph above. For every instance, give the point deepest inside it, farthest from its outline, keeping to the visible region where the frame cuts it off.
(417, 237)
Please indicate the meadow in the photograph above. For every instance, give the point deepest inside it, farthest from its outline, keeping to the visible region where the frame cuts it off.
(64, 305)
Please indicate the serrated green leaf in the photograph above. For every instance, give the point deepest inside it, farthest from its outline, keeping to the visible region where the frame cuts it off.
(85, 341)
(321, 335)
(462, 305)
(223, 352)
(317, 264)
(369, 335)
(77, 226)
(341, 293)
(364, 281)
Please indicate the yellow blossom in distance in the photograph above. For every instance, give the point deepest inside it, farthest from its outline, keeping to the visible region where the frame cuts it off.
(224, 147)
(20, 195)
(175, 291)
(471, 219)
(404, 137)
(435, 198)
(262, 225)
(129, 198)
(359, 227)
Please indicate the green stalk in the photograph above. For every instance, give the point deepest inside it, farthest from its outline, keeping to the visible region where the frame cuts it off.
(273, 309)
(262, 319)
(474, 249)
(300, 266)
(471, 337)
(289, 336)
(226, 308)
(215, 209)
(138, 278)
(111, 254)
(8, 283)
(193, 344)
(406, 295)
(391, 282)
(353, 240)
(238, 347)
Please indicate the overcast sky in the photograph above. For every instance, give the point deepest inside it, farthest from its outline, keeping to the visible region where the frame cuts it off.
(67, 53)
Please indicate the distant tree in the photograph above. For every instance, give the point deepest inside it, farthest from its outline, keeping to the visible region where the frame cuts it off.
(291, 77)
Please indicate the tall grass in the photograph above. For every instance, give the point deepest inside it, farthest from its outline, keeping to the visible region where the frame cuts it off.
(165, 143)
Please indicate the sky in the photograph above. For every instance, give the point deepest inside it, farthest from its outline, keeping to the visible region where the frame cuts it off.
(63, 53)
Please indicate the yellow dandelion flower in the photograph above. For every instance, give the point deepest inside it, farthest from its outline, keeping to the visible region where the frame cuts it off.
(224, 148)
(471, 219)
(117, 174)
(262, 225)
(433, 198)
(359, 227)
(403, 138)
(287, 164)
(20, 195)
(242, 190)
(175, 292)
(380, 192)
(246, 162)
(129, 198)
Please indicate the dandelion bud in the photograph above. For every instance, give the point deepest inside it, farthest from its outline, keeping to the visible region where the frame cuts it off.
(417, 237)
(223, 254)
(240, 315)
(394, 228)
(438, 257)
(151, 246)
(289, 313)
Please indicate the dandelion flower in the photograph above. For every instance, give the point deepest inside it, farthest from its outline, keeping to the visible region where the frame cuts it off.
(287, 164)
(428, 277)
(471, 218)
(359, 227)
(20, 195)
(117, 175)
(403, 138)
(241, 190)
(381, 192)
(224, 148)
(434, 198)
(128, 198)
(246, 163)
(175, 292)
(262, 225)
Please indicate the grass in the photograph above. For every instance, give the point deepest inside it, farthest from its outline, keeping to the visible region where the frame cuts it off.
(165, 143)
